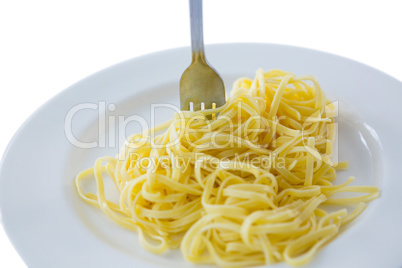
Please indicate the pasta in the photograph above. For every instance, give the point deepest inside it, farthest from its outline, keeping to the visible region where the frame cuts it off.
(239, 185)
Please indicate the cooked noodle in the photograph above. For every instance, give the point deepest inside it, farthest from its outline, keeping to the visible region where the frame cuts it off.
(239, 185)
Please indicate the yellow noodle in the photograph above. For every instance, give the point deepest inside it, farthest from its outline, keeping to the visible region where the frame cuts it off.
(202, 185)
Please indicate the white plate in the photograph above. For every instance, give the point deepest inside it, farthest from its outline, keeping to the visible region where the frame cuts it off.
(51, 227)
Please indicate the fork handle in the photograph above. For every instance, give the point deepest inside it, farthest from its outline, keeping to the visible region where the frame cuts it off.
(197, 38)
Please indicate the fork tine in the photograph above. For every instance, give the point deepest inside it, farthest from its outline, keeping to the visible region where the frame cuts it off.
(185, 106)
(208, 105)
(196, 106)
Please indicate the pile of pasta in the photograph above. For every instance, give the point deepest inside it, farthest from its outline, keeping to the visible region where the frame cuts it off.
(240, 185)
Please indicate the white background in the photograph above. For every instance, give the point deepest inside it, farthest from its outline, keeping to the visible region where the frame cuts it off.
(45, 46)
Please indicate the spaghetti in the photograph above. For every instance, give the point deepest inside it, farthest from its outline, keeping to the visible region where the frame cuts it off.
(239, 185)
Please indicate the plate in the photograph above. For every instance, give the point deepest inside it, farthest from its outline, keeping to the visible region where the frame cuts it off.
(50, 226)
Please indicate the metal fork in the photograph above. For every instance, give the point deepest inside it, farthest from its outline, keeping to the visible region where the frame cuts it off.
(200, 84)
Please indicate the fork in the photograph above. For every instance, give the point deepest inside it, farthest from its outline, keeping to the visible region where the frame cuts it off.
(201, 87)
